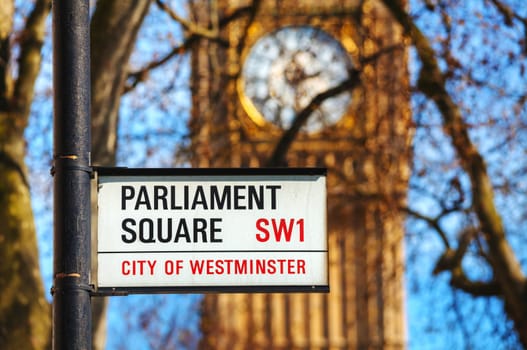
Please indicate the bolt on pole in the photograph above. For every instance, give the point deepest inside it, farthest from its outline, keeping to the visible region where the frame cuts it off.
(71, 175)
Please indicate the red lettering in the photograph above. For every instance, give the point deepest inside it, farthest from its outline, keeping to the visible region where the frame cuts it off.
(263, 235)
(242, 266)
(179, 266)
(301, 266)
(300, 224)
(281, 262)
(219, 267)
(196, 266)
(138, 267)
(140, 263)
(281, 228)
(210, 267)
(151, 265)
(125, 268)
(291, 267)
(169, 267)
(271, 267)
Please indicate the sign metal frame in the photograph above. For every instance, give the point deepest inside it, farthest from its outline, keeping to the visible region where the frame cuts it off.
(122, 176)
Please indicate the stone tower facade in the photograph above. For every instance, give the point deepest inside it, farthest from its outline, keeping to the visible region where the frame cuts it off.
(366, 153)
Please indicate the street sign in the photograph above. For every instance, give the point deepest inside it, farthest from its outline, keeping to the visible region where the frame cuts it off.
(199, 230)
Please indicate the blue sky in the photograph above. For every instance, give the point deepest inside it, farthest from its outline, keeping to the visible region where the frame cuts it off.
(151, 129)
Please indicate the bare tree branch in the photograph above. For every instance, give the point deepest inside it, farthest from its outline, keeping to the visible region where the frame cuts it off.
(7, 10)
(451, 259)
(432, 83)
(196, 33)
(278, 156)
(506, 11)
(31, 41)
(190, 26)
(433, 222)
(114, 26)
(509, 15)
(252, 10)
(137, 77)
(460, 281)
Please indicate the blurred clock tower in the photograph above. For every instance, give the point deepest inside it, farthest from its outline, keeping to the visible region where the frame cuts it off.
(259, 66)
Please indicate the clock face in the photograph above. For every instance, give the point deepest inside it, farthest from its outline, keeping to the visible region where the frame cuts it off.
(286, 69)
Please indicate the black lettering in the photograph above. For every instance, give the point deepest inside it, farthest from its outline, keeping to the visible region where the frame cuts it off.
(160, 237)
(214, 230)
(160, 194)
(126, 227)
(199, 198)
(182, 231)
(200, 226)
(127, 192)
(186, 196)
(255, 197)
(238, 197)
(142, 198)
(273, 189)
(216, 201)
(142, 224)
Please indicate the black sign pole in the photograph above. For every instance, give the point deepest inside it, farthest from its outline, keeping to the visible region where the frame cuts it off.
(72, 172)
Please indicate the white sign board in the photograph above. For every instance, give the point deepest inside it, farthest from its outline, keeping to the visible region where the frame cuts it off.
(212, 230)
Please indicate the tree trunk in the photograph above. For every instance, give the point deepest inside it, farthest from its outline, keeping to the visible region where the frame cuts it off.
(25, 319)
(24, 312)
(114, 29)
